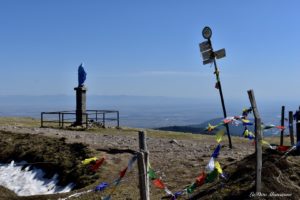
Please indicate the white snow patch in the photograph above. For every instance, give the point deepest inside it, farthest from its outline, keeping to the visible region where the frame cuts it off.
(29, 182)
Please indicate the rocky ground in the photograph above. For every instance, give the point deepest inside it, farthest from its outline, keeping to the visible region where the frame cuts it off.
(177, 157)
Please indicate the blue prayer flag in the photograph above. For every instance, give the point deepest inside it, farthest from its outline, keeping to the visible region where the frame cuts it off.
(216, 152)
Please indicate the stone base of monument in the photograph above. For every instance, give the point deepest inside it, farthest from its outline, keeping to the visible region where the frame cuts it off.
(81, 115)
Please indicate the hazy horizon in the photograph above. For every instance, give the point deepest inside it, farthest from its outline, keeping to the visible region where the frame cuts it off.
(143, 112)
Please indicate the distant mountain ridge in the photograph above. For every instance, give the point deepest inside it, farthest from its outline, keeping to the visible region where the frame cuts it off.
(200, 128)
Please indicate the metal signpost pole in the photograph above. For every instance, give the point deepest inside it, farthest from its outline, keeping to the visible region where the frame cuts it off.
(222, 101)
(210, 56)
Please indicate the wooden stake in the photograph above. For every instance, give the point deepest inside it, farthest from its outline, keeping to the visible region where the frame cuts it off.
(142, 141)
(298, 128)
(142, 180)
(291, 127)
(258, 138)
(144, 149)
(282, 124)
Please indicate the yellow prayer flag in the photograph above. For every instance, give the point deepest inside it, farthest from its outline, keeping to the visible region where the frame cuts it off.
(218, 167)
(245, 120)
(246, 132)
(88, 160)
(219, 135)
(265, 143)
(210, 127)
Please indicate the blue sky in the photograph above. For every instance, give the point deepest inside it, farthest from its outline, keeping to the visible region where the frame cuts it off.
(150, 48)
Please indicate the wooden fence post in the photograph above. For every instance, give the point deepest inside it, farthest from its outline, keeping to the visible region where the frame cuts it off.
(291, 127)
(282, 124)
(142, 141)
(258, 138)
(142, 180)
(298, 127)
(143, 148)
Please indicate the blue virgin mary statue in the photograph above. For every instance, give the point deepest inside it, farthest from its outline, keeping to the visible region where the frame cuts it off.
(81, 75)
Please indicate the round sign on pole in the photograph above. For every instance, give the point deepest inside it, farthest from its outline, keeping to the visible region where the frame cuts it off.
(206, 32)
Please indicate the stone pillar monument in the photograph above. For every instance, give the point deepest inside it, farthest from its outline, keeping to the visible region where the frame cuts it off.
(80, 97)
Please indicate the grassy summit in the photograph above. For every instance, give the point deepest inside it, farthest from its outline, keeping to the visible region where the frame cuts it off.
(178, 163)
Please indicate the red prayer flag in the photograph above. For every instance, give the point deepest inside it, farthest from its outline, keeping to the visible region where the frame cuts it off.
(159, 184)
(283, 148)
(200, 180)
(96, 166)
(280, 127)
(123, 172)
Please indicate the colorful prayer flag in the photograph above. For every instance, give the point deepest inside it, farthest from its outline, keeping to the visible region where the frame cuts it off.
(158, 183)
(280, 127)
(283, 148)
(211, 176)
(200, 180)
(131, 161)
(123, 172)
(191, 188)
(96, 166)
(210, 127)
(211, 165)
(219, 135)
(216, 151)
(151, 174)
(218, 167)
(245, 121)
(88, 160)
(101, 186)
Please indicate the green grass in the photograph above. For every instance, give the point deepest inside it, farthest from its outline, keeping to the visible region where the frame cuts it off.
(20, 121)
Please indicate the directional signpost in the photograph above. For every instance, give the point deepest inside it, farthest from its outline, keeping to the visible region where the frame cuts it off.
(210, 56)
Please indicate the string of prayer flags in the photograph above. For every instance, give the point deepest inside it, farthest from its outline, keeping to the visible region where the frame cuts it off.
(121, 175)
(97, 165)
(101, 186)
(88, 160)
(157, 182)
(265, 127)
(76, 195)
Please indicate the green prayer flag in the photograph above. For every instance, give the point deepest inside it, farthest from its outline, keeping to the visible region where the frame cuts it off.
(191, 188)
(151, 174)
(211, 176)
